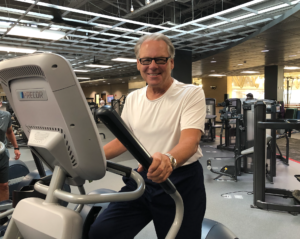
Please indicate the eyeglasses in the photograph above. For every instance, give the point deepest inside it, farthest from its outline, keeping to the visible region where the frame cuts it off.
(158, 60)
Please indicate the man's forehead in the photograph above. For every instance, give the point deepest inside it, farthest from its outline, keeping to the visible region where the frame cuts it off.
(149, 46)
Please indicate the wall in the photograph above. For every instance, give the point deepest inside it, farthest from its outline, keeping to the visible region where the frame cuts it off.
(218, 93)
(114, 89)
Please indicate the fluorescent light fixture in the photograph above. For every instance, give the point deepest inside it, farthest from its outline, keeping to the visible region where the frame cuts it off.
(250, 72)
(100, 66)
(240, 64)
(83, 78)
(91, 80)
(265, 51)
(17, 49)
(108, 83)
(213, 61)
(242, 17)
(124, 59)
(212, 71)
(292, 55)
(3, 30)
(216, 75)
(291, 67)
(273, 8)
(81, 70)
(36, 33)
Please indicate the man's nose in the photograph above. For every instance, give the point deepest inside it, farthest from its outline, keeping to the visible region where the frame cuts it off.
(153, 64)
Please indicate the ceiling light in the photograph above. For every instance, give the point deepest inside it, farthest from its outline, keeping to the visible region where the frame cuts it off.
(240, 64)
(17, 49)
(81, 70)
(101, 66)
(108, 83)
(212, 71)
(273, 8)
(213, 61)
(250, 72)
(83, 78)
(291, 67)
(292, 55)
(124, 59)
(36, 33)
(131, 9)
(264, 50)
(242, 17)
(148, 2)
(216, 75)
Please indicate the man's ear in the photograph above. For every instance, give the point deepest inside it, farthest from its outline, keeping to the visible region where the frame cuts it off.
(138, 64)
(172, 63)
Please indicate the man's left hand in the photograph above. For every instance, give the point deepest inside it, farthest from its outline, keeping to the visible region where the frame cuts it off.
(17, 154)
(160, 169)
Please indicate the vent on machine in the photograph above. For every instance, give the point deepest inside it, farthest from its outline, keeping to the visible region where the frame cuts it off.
(21, 71)
(56, 129)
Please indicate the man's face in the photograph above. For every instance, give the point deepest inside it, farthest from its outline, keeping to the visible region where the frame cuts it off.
(154, 74)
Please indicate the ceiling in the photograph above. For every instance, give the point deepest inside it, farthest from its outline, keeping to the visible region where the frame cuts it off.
(278, 45)
(97, 31)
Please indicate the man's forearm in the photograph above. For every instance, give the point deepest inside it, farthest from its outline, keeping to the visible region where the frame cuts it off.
(186, 148)
(11, 137)
(113, 149)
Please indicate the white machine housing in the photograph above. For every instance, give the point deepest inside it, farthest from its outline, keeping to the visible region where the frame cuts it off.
(45, 95)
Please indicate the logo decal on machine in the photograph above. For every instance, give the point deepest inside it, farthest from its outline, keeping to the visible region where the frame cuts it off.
(32, 95)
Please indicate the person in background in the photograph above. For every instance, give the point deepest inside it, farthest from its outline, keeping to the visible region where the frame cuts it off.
(249, 96)
(6, 131)
(102, 102)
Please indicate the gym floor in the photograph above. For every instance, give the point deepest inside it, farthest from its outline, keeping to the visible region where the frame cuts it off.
(232, 209)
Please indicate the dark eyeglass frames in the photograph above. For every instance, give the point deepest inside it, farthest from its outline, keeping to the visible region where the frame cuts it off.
(158, 60)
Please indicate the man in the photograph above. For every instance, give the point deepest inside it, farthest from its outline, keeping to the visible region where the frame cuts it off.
(249, 96)
(168, 118)
(102, 102)
(6, 131)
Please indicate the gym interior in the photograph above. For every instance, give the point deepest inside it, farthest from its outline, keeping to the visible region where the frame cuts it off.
(242, 53)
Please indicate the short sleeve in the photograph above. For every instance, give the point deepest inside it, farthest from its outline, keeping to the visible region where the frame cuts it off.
(194, 111)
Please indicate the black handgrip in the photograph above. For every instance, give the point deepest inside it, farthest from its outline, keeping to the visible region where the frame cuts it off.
(118, 169)
(117, 126)
(46, 180)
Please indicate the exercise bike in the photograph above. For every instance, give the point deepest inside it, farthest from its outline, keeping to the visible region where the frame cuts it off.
(67, 142)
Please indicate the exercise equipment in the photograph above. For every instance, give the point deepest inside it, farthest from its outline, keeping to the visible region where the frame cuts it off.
(117, 105)
(230, 106)
(210, 121)
(259, 188)
(67, 142)
(231, 111)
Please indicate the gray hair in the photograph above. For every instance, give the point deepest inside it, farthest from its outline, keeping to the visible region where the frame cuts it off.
(154, 37)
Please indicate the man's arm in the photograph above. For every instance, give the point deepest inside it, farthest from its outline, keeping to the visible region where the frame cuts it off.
(161, 168)
(11, 137)
(113, 149)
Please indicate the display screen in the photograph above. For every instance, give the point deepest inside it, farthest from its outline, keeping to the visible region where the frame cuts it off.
(109, 98)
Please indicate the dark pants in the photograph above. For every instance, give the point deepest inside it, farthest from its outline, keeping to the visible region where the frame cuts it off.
(124, 220)
(4, 165)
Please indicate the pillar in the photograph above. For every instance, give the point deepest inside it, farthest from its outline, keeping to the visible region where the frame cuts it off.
(183, 66)
(274, 82)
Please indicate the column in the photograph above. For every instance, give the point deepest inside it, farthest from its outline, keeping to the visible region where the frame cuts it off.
(183, 66)
(274, 82)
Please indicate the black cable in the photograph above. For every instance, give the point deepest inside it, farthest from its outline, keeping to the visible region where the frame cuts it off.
(248, 193)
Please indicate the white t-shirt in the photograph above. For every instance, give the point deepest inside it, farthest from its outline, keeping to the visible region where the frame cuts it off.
(102, 102)
(158, 123)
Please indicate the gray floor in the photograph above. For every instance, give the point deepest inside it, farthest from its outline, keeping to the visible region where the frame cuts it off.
(233, 211)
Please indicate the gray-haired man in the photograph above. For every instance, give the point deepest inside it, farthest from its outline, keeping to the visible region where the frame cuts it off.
(168, 117)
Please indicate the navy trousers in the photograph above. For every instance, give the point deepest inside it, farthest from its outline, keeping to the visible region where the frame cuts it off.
(124, 220)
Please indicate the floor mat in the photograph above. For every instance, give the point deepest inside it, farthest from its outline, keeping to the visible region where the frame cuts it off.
(293, 148)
